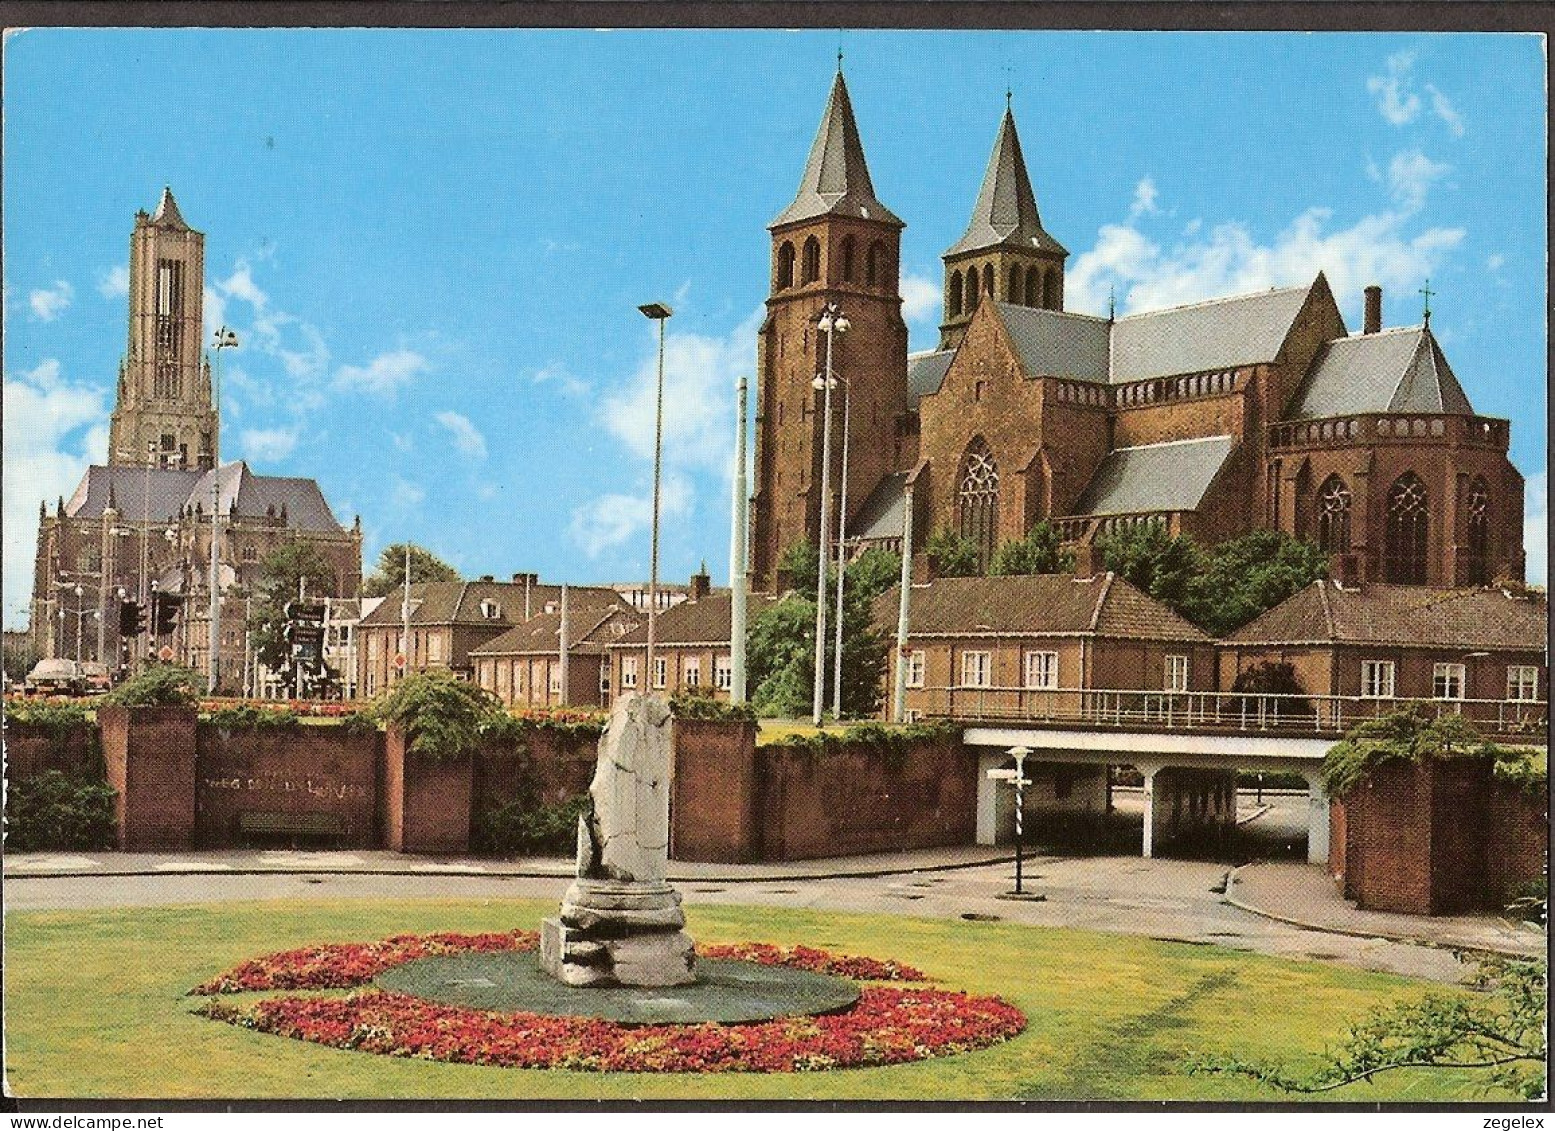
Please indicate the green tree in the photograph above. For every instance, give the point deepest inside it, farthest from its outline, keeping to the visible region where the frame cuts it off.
(951, 555)
(390, 572)
(21, 655)
(780, 647)
(1039, 552)
(281, 573)
(1152, 560)
(872, 573)
(799, 562)
(1244, 577)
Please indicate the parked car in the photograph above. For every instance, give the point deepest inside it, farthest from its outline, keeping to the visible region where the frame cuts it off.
(54, 677)
(96, 679)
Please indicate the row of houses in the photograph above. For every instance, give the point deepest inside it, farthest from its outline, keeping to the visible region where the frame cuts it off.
(1044, 646)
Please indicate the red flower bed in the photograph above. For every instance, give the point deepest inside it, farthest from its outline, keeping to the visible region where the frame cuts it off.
(338, 966)
(888, 1025)
(816, 961)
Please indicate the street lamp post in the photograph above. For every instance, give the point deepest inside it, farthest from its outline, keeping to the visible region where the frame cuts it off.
(225, 339)
(1017, 778)
(842, 548)
(659, 313)
(831, 323)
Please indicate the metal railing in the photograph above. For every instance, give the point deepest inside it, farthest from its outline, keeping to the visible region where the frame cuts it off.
(1212, 710)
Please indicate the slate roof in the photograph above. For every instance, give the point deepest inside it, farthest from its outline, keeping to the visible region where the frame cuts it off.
(1036, 605)
(1054, 343)
(926, 372)
(1005, 214)
(881, 514)
(589, 629)
(459, 602)
(694, 622)
(163, 493)
(1155, 477)
(1401, 370)
(1405, 616)
(836, 177)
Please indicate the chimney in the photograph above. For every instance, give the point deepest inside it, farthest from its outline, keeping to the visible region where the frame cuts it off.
(1085, 561)
(526, 579)
(701, 584)
(1373, 323)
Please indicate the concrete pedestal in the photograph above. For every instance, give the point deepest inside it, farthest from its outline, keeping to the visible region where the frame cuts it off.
(613, 933)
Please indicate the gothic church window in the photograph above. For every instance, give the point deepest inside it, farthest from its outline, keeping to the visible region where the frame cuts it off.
(1408, 524)
(875, 265)
(1034, 287)
(973, 291)
(955, 294)
(989, 283)
(1050, 291)
(1479, 533)
(1333, 516)
(785, 271)
(811, 270)
(1014, 290)
(847, 259)
(979, 497)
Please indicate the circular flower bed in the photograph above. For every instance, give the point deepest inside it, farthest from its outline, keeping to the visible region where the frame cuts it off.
(888, 1025)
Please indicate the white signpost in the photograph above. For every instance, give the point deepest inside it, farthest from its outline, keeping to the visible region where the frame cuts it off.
(1016, 777)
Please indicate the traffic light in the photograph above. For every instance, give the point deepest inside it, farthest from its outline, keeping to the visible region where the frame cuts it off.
(132, 618)
(168, 607)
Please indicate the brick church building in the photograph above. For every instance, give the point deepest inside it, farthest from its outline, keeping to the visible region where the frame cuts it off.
(143, 522)
(1247, 412)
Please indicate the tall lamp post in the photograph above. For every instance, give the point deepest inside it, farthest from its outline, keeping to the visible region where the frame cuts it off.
(831, 323)
(842, 548)
(225, 339)
(1017, 778)
(659, 313)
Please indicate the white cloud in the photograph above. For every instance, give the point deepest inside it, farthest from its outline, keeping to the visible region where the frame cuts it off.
(268, 444)
(1536, 527)
(1443, 109)
(1227, 260)
(240, 285)
(52, 430)
(558, 374)
(407, 495)
(385, 374)
(1144, 199)
(1410, 176)
(1395, 100)
(466, 436)
(614, 519)
(114, 282)
(215, 312)
(48, 303)
(921, 299)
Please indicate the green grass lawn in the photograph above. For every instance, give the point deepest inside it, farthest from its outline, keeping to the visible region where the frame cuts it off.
(96, 1006)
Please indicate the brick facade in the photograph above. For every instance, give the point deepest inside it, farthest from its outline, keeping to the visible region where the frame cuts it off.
(150, 754)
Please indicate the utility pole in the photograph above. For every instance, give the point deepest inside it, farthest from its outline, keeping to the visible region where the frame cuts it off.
(562, 659)
(405, 618)
(737, 551)
(214, 582)
(899, 698)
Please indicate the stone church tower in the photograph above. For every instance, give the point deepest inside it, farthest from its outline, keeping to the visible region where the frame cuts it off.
(835, 244)
(163, 414)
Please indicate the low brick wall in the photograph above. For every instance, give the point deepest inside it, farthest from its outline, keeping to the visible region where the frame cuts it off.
(426, 801)
(326, 771)
(713, 798)
(31, 750)
(545, 763)
(1521, 841)
(150, 755)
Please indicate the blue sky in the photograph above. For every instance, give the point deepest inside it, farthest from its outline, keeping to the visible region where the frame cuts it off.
(433, 244)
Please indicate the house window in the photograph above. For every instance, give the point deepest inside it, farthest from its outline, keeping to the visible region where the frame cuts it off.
(915, 668)
(628, 672)
(604, 683)
(518, 679)
(1377, 679)
(661, 667)
(911, 716)
(1177, 673)
(1042, 670)
(1522, 682)
(490, 609)
(434, 647)
(975, 668)
(692, 672)
(1447, 681)
(556, 679)
(723, 673)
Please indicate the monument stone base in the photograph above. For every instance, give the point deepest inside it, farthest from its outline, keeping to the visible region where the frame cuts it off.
(618, 933)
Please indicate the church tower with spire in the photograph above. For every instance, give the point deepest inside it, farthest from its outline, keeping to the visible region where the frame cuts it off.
(835, 245)
(1005, 253)
(163, 414)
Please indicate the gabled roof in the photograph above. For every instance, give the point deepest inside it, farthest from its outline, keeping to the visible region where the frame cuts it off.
(1402, 370)
(1403, 616)
(589, 628)
(460, 602)
(1036, 605)
(1155, 477)
(836, 177)
(1053, 343)
(926, 372)
(161, 494)
(1005, 214)
(881, 514)
(167, 214)
(1205, 336)
(703, 622)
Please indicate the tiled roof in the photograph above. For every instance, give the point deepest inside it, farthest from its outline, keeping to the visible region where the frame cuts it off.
(1156, 477)
(926, 372)
(836, 178)
(460, 602)
(163, 493)
(1053, 343)
(881, 514)
(694, 622)
(1242, 330)
(1005, 214)
(1036, 605)
(1403, 615)
(589, 628)
(1402, 370)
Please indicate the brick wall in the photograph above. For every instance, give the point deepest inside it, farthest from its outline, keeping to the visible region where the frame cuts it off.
(150, 754)
(713, 798)
(30, 750)
(427, 802)
(1521, 843)
(545, 764)
(301, 769)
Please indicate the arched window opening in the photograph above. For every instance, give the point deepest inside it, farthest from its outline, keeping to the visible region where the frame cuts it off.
(785, 270)
(955, 294)
(1479, 533)
(973, 290)
(979, 498)
(1034, 287)
(811, 270)
(1333, 516)
(1050, 291)
(1409, 518)
(847, 259)
(990, 284)
(1014, 290)
(875, 267)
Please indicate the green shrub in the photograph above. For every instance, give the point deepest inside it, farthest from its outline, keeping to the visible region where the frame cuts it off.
(245, 716)
(1525, 770)
(702, 705)
(160, 685)
(444, 717)
(1409, 734)
(569, 723)
(59, 721)
(529, 827)
(53, 811)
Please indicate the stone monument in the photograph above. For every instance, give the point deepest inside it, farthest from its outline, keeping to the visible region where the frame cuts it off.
(621, 922)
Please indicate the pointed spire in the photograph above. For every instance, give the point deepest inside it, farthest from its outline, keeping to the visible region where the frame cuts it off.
(1006, 209)
(167, 213)
(836, 177)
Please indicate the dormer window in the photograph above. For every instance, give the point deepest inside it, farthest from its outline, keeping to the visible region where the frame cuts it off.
(490, 609)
